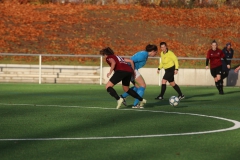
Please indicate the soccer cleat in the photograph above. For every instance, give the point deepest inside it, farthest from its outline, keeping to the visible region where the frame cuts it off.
(159, 98)
(124, 101)
(119, 102)
(138, 107)
(221, 92)
(181, 97)
(142, 102)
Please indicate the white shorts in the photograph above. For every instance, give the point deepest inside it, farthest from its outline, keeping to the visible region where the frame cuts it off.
(137, 73)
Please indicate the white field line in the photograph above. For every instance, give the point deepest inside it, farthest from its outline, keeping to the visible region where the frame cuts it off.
(236, 125)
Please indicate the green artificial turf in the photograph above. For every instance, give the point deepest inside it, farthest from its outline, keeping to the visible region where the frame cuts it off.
(54, 121)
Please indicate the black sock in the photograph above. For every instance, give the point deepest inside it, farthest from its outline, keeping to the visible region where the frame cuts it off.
(113, 93)
(176, 87)
(217, 85)
(221, 85)
(163, 89)
(220, 82)
(134, 94)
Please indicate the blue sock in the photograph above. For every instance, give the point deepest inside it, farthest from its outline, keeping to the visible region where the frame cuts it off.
(140, 91)
(124, 95)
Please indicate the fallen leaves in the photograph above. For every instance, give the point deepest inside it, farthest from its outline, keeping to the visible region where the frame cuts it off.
(85, 29)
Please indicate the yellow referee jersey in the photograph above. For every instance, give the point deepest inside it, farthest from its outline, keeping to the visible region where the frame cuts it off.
(168, 60)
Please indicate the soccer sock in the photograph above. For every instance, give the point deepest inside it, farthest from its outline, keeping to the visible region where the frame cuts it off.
(113, 93)
(134, 94)
(217, 85)
(163, 89)
(124, 95)
(176, 87)
(140, 92)
(220, 81)
(221, 85)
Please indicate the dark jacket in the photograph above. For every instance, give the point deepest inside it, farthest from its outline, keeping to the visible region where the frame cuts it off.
(229, 56)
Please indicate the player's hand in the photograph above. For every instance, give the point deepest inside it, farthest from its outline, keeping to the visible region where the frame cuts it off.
(236, 70)
(176, 71)
(228, 66)
(158, 71)
(206, 67)
(109, 74)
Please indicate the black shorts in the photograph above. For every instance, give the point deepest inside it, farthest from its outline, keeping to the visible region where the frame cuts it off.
(123, 76)
(215, 71)
(224, 74)
(169, 74)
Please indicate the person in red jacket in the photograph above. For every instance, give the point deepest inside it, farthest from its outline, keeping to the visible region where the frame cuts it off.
(122, 72)
(214, 55)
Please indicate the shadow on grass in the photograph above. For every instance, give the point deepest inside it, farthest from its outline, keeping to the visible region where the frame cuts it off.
(199, 95)
(232, 92)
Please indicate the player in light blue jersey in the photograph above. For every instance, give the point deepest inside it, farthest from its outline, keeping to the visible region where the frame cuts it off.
(140, 59)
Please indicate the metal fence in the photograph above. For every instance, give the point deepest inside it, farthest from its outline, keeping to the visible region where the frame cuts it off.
(40, 56)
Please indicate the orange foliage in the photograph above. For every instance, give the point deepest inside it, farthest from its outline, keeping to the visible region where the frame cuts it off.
(85, 29)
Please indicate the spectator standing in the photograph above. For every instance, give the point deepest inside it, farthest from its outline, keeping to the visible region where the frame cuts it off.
(228, 52)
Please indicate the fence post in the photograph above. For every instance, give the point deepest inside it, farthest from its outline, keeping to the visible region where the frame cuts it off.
(160, 74)
(40, 69)
(101, 68)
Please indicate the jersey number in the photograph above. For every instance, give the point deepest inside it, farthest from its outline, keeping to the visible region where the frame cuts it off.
(120, 59)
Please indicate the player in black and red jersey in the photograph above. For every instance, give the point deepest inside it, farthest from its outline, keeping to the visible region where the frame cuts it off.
(122, 72)
(215, 55)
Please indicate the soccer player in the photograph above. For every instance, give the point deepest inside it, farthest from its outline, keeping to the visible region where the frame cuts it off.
(215, 55)
(228, 51)
(169, 62)
(139, 59)
(122, 72)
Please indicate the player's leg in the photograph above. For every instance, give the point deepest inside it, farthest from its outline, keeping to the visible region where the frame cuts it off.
(223, 76)
(125, 94)
(218, 82)
(177, 89)
(141, 89)
(213, 72)
(116, 78)
(217, 78)
(125, 85)
(168, 76)
(163, 89)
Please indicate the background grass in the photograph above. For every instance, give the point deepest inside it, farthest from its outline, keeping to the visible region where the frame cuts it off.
(82, 111)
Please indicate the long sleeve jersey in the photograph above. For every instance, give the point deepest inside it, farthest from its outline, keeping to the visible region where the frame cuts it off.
(168, 60)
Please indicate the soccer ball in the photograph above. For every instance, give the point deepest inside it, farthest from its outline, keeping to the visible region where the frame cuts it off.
(174, 101)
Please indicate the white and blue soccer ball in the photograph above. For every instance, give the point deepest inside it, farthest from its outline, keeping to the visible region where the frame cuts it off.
(174, 101)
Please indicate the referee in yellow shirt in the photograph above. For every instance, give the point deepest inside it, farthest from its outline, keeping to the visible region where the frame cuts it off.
(169, 62)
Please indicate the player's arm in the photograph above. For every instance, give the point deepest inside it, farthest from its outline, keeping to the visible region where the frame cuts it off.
(237, 69)
(207, 62)
(175, 60)
(113, 63)
(132, 65)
